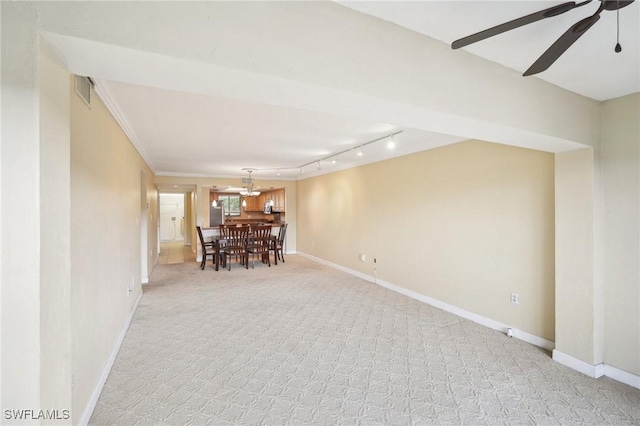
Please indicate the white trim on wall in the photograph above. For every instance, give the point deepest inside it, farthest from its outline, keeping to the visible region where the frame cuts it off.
(91, 405)
(594, 371)
(117, 114)
(622, 376)
(583, 367)
(597, 370)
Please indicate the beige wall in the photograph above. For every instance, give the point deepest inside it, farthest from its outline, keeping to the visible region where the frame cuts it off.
(620, 155)
(576, 285)
(21, 229)
(105, 244)
(55, 263)
(465, 224)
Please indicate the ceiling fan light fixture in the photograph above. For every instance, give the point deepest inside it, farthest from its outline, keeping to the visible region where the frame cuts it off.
(562, 44)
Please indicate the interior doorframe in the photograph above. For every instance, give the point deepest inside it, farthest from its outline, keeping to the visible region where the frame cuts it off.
(143, 222)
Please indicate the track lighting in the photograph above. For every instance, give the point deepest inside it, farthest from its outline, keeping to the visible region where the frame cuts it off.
(335, 157)
(392, 143)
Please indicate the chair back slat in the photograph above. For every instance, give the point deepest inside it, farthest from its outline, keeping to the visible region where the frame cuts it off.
(282, 233)
(237, 237)
(261, 235)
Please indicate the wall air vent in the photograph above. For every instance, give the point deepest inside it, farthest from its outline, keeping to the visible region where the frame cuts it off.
(83, 88)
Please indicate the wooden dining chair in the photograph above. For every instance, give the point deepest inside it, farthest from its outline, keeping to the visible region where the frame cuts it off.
(277, 247)
(235, 244)
(224, 237)
(207, 249)
(260, 243)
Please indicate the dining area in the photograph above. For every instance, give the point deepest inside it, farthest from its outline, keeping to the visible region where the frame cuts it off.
(237, 245)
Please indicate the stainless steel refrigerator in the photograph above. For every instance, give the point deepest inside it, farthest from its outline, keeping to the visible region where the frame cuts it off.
(216, 216)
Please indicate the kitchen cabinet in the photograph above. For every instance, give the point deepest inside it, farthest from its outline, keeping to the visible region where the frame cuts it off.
(278, 197)
(252, 204)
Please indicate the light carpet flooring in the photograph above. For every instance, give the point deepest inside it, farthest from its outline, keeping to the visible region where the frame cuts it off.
(300, 343)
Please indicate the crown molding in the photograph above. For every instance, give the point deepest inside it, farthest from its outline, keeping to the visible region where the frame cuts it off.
(108, 100)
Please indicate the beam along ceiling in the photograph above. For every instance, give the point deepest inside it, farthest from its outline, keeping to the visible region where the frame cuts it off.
(182, 131)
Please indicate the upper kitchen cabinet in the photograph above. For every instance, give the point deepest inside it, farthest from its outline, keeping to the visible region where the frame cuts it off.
(253, 204)
(278, 197)
(262, 199)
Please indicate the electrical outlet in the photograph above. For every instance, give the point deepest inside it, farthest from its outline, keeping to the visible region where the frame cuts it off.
(363, 257)
(515, 298)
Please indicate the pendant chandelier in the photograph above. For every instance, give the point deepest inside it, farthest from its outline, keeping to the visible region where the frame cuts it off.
(248, 190)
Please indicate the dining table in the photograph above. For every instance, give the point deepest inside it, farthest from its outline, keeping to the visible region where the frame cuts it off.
(218, 241)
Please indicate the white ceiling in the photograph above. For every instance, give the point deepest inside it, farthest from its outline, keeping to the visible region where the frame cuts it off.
(194, 133)
(590, 67)
(202, 135)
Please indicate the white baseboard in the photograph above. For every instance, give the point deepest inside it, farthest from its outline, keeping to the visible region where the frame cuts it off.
(597, 370)
(622, 376)
(580, 366)
(91, 405)
(487, 322)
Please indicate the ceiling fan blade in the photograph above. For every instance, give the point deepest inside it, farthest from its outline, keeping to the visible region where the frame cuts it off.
(616, 4)
(561, 45)
(516, 23)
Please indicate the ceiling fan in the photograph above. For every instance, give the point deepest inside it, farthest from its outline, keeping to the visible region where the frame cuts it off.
(562, 44)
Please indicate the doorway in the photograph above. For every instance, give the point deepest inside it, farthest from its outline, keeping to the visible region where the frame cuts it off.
(172, 221)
